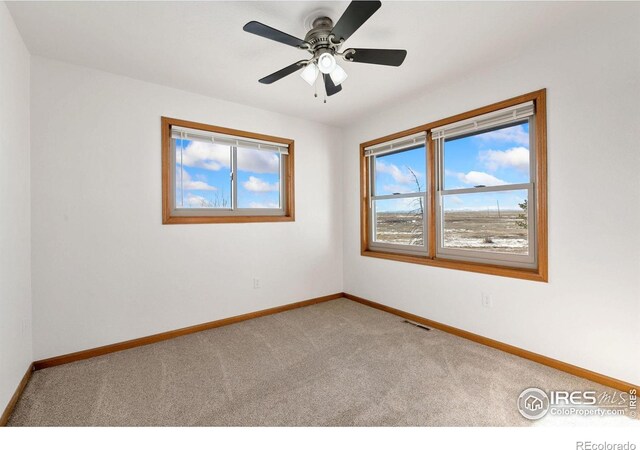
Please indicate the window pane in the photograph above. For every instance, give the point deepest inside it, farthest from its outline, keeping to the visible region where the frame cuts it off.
(487, 221)
(490, 158)
(400, 221)
(203, 177)
(401, 173)
(258, 179)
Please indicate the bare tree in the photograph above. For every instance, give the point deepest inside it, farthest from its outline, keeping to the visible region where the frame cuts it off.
(217, 200)
(220, 200)
(417, 230)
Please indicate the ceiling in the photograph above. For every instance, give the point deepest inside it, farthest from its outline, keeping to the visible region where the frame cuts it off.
(200, 46)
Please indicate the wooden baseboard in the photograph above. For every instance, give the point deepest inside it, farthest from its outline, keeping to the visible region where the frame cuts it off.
(98, 351)
(559, 365)
(16, 395)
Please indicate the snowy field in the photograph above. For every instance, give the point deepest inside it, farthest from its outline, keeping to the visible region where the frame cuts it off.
(462, 230)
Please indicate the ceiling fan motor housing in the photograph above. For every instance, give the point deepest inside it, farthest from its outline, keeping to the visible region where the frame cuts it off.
(319, 36)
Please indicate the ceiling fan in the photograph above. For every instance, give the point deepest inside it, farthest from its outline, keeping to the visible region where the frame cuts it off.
(323, 41)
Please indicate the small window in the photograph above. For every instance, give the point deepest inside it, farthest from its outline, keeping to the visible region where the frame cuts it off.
(467, 192)
(398, 200)
(213, 174)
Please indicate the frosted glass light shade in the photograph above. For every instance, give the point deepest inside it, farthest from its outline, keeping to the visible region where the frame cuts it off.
(338, 75)
(310, 73)
(326, 63)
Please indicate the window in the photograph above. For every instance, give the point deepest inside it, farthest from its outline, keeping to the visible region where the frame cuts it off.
(467, 192)
(485, 188)
(213, 174)
(398, 195)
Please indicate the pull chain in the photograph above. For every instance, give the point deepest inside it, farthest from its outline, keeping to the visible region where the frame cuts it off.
(325, 91)
(315, 90)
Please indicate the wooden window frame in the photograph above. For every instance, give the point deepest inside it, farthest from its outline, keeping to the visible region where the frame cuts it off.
(289, 188)
(540, 273)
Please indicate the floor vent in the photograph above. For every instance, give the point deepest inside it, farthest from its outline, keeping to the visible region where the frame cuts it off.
(417, 325)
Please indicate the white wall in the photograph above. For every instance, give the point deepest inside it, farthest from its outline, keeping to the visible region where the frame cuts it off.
(589, 313)
(15, 218)
(105, 269)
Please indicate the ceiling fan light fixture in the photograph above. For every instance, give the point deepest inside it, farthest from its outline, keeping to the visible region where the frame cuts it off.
(326, 63)
(338, 75)
(310, 73)
(324, 40)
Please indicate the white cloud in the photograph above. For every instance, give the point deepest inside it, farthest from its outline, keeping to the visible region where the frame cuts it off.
(200, 177)
(192, 200)
(189, 184)
(474, 178)
(196, 201)
(263, 205)
(517, 157)
(204, 155)
(516, 135)
(398, 175)
(403, 204)
(258, 161)
(198, 186)
(255, 184)
(215, 157)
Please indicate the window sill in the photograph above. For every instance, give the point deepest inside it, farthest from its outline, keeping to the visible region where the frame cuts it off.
(538, 274)
(176, 220)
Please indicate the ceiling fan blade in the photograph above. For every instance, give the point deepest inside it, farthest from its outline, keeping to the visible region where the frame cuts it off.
(329, 86)
(275, 76)
(376, 56)
(353, 17)
(268, 32)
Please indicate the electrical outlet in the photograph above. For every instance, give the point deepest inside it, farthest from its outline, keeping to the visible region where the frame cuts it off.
(256, 283)
(486, 300)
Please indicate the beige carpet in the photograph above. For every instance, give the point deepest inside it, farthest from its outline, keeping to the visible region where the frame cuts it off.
(337, 363)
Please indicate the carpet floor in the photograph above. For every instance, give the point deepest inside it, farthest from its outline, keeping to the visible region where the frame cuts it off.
(337, 363)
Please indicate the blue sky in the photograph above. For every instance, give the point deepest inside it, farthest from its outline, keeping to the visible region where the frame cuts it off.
(492, 158)
(395, 174)
(206, 176)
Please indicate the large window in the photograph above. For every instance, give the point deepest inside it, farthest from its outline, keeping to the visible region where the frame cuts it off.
(212, 174)
(467, 192)
(485, 188)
